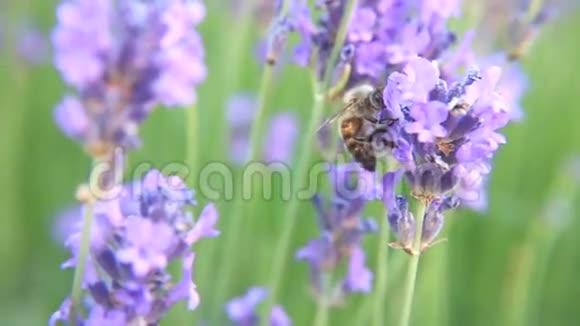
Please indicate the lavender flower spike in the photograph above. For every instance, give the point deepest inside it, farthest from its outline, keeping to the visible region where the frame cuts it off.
(122, 59)
(446, 139)
(133, 239)
(342, 229)
(382, 37)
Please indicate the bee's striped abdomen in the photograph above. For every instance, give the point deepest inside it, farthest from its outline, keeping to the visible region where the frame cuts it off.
(362, 152)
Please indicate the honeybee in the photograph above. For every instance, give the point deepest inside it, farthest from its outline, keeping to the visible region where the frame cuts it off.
(363, 131)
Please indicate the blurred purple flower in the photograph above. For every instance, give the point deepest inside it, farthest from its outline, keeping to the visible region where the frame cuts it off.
(146, 243)
(362, 26)
(133, 239)
(240, 115)
(382, 35)
(123, 59)
(342, 228)
(71, 118)
(82, 37)
(32, 45)
(278, 317)
(242, 310)
(359, 278)
(281, 137)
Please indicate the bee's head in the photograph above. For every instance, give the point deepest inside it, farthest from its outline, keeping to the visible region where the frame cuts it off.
(376, 99)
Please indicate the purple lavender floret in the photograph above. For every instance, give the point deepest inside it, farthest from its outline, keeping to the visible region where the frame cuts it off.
(342, 228)
(32, 45)
(280, 138)
(243, 310)
(133, 239)
(122, 59)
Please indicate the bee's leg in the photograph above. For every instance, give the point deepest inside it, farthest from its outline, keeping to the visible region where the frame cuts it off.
(387, 121)
(385, 142)
(362, 152)
(372, 120)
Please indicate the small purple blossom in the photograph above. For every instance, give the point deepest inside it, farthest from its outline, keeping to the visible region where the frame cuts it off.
(362, 26)
(281, 136)
(32, 45)
(359, 278)
(146, 245)
(242, 310)
(240, 115)
(279, 139)
(278, 317)
(427, 121)
(133, 239)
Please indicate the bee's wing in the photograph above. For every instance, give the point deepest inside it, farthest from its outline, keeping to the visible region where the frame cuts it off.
(336, 115)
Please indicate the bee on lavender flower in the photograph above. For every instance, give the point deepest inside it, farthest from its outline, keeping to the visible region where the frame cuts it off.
(364, 131)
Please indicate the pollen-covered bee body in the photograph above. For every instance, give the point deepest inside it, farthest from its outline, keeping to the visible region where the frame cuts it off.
(357, 142)
(361, 127)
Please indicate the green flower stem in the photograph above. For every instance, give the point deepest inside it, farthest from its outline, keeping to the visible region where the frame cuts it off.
(413, 266)
(192, 150)
(281, 250)
(338, 42)
(525, 281)
(382, 267)
(229, 77)
(433, 293)
(321, 317)
(235, 225)
(82, 256)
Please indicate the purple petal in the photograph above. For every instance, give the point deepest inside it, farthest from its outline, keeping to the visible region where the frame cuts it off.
(185, 289)
(278, 317)
(205, 226)
(359, 278)
(71, 118)
(242, 308)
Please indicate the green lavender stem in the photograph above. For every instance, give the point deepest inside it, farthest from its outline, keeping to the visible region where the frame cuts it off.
(382, 262)
(413, 266)
(321, 317)
(192, 149)
(433, 292)
(338, 42)
(524, 286)
(229, 77)
(77, 290)
(257, 135)
(235, 225)
(281, 251)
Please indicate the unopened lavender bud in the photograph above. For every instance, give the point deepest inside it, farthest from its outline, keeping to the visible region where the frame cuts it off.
(432, 225)
(430, 181)
(402, 222)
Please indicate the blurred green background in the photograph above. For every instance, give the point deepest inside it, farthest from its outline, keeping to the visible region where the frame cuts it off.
(506, 267)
